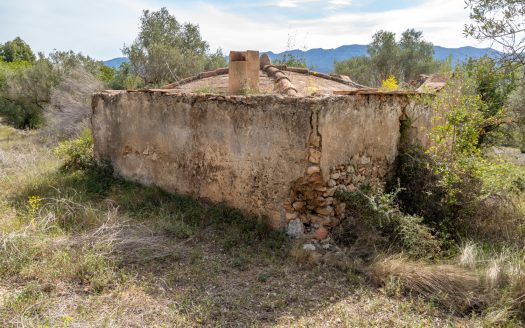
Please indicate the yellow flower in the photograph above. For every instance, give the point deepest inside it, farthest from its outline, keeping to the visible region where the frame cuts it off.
(389, 84)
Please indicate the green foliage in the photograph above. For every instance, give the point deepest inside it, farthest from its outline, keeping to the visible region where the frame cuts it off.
(516, 110)
(378, 222)
(107, 74)
(472, 108)
(25, 91)
(16, 50)
(459, 191)
(416, 56)
(460, 110)
(290, 60)
(501, 22)
(493, 83)
(63, 61)
(77, 153)
(125, 79)
(26, 87)
(384, 54)
(357, 68)
(405, 59)
(166, 50)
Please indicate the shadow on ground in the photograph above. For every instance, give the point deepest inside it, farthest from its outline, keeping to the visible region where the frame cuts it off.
(178, 262)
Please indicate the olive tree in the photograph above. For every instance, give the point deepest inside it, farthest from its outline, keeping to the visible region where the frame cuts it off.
(166, 50)
(501, 22)
(16, 50)
(405, 59)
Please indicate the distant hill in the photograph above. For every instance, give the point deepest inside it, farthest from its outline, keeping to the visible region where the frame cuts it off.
(322, 60)
(116, 62)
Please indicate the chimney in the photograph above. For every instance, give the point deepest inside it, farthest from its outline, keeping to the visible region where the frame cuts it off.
(243, 74)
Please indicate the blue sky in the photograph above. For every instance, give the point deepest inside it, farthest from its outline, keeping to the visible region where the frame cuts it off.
(100, 28)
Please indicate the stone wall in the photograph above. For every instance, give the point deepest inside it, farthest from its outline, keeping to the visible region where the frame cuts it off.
(274, 156)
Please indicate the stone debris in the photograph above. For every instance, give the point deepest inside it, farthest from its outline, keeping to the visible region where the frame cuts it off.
(295, 228)
(309, 247)
(313, 202)
(320, 233)
(313, 170)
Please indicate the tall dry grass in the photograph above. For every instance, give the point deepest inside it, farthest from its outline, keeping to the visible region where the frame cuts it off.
(453, 287)
(491, 283)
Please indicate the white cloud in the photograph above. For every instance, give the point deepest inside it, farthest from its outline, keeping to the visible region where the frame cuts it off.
(440, 20)
(292, 3)
(100, 28)
(297, 3)
(340, 3)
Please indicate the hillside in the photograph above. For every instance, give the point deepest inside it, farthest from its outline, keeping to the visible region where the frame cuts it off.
(322, 60)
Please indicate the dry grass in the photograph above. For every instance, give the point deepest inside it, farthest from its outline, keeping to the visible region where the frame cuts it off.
(95, 251)
(454, 288)
(489, 283)
(502, 276)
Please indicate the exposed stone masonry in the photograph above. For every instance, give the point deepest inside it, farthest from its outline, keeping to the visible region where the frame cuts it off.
(312, 208)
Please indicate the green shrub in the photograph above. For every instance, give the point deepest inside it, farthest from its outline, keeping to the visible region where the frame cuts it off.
(77, 153)
(420, 190)
(375, 222)
(21, 114)
(470, 197)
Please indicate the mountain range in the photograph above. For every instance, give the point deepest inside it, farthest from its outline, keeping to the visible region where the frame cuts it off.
(322, 60)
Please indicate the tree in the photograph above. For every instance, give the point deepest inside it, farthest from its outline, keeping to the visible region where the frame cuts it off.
(416, 56)
(166, 50)
(290, 60)
(405, 60)
(384, 54)
(26, 92)
(516, 107)
(124, 78)
(16, 50)
(358, 68)
(27, 88)
(501, 22)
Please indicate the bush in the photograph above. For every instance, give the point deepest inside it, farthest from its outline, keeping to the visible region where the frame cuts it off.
(375, 222)
(21, 114)
(390, 84)
(69, 109)
(470, 197)
(77, 153)
(24, 90)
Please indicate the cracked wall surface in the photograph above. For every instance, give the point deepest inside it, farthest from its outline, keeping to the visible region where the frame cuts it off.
(279, 157)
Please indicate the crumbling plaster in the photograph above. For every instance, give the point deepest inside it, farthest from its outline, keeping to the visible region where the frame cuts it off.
(249, 151)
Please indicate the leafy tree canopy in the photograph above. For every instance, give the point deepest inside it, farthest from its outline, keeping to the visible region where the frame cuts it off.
(290, 60)
(405, 59)
(501, 22)
(16, 50)
(166, 50)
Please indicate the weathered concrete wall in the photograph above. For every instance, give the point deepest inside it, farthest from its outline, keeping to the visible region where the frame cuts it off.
(269, 155)
(360, 130)
(240, 152)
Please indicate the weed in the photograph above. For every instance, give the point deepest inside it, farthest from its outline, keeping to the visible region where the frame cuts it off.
(77, 153)
(390, 84)
(376, 221)
(204, 90)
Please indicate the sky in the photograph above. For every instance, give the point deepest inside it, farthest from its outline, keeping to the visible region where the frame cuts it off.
(100, 28)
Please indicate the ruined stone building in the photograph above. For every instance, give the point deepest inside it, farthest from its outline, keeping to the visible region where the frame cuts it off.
(271, 140)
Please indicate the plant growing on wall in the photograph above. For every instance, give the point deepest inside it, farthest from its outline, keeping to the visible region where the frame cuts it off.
(390, 84)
